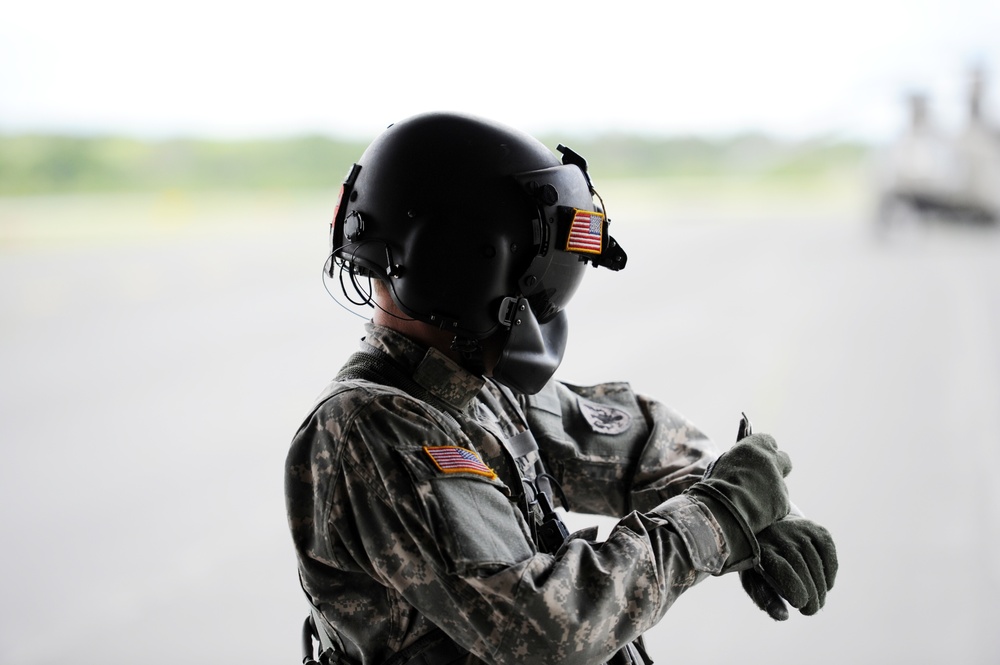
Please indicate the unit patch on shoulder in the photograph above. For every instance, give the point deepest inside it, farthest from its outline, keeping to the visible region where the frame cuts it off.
(453, 459)
(604, 419)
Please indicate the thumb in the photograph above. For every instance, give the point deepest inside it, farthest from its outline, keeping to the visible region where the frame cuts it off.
(763, 596)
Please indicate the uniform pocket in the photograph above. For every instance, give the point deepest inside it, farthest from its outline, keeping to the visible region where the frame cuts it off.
(477, 523)
(471, 515)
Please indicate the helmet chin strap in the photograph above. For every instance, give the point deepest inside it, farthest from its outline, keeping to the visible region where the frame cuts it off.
(471, 351)
(532, 351)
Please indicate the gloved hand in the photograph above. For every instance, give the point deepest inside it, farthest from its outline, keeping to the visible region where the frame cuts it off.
(745, 489)
(798, 562)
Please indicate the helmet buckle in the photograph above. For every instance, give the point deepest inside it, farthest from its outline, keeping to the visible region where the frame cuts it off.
(392, 269)
(509, 308)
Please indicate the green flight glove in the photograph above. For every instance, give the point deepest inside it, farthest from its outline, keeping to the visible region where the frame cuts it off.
(798, 563)
(745, 490)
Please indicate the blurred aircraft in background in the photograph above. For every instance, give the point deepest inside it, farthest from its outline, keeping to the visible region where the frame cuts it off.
(931, 174)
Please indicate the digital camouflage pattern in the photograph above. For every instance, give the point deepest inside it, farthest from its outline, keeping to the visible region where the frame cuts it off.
(391, 546)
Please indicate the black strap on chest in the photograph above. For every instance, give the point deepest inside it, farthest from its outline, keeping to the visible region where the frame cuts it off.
(549, 530)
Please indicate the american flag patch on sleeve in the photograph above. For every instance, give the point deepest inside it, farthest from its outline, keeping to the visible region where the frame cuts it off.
(453, 459)
(586, 232)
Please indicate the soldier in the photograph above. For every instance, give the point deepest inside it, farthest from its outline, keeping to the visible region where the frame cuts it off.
(421, 488)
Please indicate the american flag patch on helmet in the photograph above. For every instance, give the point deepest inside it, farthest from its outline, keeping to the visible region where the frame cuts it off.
(586, 232)
(453, 459)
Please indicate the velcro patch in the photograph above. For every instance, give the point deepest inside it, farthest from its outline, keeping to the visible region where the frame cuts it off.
(453, 459)
(586, 232)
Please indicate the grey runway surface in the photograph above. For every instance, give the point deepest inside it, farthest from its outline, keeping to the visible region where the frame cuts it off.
(150, 387)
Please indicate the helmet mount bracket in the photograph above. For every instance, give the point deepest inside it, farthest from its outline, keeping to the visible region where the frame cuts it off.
(570, 156)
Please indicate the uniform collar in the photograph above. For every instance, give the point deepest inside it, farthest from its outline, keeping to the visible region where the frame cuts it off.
(434, 371)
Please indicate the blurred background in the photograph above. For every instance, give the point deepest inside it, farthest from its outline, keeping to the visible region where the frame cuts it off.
(808, 195)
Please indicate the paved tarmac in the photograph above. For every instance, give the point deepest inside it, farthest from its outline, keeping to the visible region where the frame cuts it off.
(150, 386)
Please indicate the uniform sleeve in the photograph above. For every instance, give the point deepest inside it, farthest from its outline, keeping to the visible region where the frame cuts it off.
(614, 451)
(456, 547)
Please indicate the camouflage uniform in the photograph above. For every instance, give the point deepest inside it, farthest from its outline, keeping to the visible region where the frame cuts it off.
(395, 538)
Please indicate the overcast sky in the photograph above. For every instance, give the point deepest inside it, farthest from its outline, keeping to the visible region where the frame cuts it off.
(237, 69)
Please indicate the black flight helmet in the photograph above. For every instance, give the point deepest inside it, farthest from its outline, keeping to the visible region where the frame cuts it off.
(479, 229)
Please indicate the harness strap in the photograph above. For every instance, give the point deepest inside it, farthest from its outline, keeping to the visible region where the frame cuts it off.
(522, 443)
